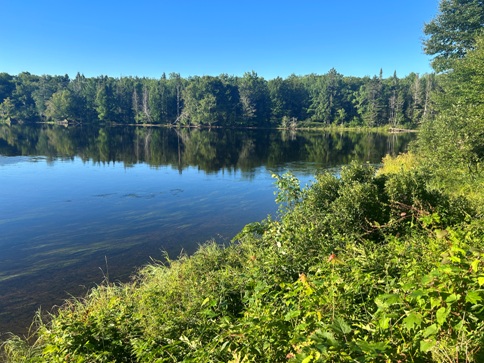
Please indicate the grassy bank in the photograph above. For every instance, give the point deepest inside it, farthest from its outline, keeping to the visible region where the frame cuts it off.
(368, 267)
(308, 125)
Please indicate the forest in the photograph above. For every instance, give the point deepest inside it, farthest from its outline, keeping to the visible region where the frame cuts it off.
(230, 101)
(368, 265)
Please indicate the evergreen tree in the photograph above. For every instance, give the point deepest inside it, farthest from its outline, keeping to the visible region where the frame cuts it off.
(326, 98)
(370, 102)
(104, 100)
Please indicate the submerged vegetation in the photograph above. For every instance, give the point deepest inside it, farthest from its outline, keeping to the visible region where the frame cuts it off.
(369, 266)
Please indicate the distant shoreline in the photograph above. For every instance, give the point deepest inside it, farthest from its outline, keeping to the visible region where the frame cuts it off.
(384, 129)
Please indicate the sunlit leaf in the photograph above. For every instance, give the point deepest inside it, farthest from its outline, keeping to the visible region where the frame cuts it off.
(430, 330)
(452, 298)
(205, 301)
(441, 315)
(384, 323)
(292, 314)
(473, 297)
(412, 320)
(427, 344)
(435, 301)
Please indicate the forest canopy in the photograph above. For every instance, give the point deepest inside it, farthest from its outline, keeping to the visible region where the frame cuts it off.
(250, 100)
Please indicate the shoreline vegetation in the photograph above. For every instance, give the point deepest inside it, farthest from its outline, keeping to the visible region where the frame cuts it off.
(369, 266)
(302, 127)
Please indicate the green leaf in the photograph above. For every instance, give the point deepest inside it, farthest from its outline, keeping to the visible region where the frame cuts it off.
(292, 314)
(384, 323)
(435, 301)
(301, 327)
(224, 345)
(417, 293)
(441, 233)
(412, 320)
(459, 326)
(341, 326)
(431, 330)
(455, 259)
(372, 347)
(50, 349)
(441, 315)
(427, 344)
(473, 297)
(329, 336)
(387, 300)
(480, 280)
(205, 301)
(458, 250)
(452, 298)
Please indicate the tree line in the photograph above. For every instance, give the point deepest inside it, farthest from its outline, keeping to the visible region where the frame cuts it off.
(247, 101)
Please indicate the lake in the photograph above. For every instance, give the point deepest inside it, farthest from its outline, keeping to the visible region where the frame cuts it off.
(79, 205)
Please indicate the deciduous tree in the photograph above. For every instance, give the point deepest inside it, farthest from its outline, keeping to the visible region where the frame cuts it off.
(451, 34)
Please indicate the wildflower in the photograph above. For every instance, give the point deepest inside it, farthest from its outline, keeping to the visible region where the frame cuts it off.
(290, 355)
(333, 259)
(303, 278)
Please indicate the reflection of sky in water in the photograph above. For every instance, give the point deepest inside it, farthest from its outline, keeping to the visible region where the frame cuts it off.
(73, 198)
(61, 219)
(76, 207)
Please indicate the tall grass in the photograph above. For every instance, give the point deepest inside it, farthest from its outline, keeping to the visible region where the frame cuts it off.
(400, 282)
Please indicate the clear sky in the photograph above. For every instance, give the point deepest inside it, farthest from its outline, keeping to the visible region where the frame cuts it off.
(209, 37)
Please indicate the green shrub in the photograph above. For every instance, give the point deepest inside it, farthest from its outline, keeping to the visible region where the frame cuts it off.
(356, 268)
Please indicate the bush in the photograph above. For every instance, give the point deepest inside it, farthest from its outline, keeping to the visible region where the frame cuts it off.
(360, 267)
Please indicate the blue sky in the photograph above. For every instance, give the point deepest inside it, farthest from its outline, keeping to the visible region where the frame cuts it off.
(209, 37)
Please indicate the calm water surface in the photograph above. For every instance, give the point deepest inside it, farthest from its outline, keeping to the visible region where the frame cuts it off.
(79, 204)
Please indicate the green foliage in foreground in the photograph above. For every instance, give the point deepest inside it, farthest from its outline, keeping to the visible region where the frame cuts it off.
(362, 268)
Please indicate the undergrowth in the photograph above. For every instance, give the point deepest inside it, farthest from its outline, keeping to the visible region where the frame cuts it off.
(368, 267)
